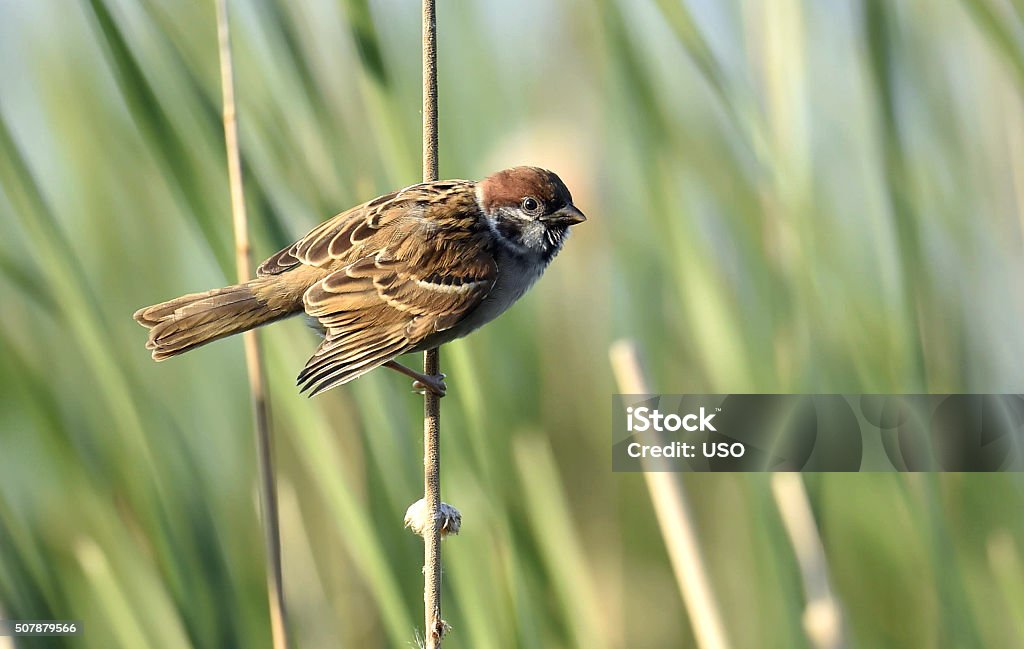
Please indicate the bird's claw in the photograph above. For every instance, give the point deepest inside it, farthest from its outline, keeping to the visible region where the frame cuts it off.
(435, 384)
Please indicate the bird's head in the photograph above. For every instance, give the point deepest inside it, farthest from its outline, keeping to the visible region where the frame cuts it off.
(529, 209)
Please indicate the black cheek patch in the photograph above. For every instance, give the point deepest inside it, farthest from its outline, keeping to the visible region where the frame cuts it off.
(510, 229)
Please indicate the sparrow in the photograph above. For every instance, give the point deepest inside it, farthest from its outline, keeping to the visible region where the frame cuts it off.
(405, 272)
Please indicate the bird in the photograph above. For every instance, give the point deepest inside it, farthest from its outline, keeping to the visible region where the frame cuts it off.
(402, 273)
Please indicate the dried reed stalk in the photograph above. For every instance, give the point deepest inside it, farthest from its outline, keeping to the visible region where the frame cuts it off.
(253, 357)
(674, 519)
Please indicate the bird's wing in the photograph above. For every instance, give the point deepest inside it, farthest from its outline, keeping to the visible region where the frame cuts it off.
(400, 268)
(337, 237)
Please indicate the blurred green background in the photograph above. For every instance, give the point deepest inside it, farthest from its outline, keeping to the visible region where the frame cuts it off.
(784, 196)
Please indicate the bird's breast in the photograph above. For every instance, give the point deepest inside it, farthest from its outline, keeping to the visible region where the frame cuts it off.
(516, 275)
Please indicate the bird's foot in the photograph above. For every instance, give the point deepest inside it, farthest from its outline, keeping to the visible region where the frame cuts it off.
(422, 383)
(434, 383)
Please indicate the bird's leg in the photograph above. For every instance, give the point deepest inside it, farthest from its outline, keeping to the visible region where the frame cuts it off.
(433, 383)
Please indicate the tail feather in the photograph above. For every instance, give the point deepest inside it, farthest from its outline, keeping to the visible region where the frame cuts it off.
(184, 323)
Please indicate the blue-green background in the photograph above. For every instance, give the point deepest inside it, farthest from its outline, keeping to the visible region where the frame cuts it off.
(784, 196)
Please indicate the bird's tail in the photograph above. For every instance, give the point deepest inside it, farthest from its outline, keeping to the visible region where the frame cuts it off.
(189, 321)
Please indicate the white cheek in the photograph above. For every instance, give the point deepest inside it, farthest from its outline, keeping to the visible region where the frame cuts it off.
(534, 234)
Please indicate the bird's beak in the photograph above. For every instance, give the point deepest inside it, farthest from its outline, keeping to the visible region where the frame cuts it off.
(568, 215)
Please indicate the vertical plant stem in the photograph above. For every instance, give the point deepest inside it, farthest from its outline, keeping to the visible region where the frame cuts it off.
(822, 618)
(253, 357)
(673, 513)
(434, 625)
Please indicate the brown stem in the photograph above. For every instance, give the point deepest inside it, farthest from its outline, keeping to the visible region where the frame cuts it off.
(434, 625)
(253, 357)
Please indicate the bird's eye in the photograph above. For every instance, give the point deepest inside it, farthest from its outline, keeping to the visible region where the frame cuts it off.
(530, 204)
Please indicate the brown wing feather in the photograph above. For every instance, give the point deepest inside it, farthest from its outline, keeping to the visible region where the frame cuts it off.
(332, 239)
(400, 268)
